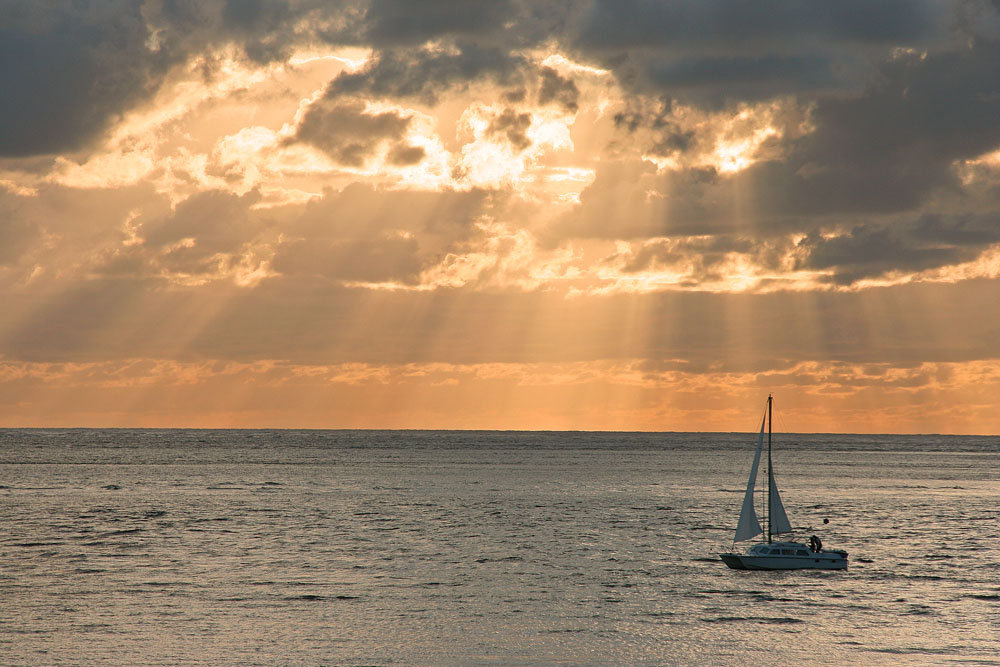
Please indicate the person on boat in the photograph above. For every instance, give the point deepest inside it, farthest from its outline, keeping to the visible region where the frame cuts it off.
(815, 544)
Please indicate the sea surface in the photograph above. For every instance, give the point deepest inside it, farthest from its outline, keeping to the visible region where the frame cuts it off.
(229, 547)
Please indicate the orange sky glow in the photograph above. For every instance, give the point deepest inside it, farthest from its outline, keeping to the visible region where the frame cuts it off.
(533, 216)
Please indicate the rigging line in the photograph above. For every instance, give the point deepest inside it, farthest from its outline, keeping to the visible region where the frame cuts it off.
(782, 426)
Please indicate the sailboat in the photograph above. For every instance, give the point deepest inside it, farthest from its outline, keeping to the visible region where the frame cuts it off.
(772, 555)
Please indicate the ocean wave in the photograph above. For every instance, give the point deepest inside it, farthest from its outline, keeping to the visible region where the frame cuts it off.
(769, 620)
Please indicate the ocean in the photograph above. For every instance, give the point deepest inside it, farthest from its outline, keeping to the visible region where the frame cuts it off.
(283, 547)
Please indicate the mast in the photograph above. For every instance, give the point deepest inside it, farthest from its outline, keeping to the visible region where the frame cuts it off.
(769, 475)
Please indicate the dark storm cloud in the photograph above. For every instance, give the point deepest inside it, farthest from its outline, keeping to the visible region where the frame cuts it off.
(344, 131)
(512, 126)
(887, 148)
(891, 149)
(723, 53)
(958, 230)
(68, 69)
(656, 116)
(557, 89)
(748, 78)
(886, 131)
(695, 24)
(426, 74)
(424, 49)
(267, 25)
(404, 23)
(713, 51)
(75, 67)
(264, 30)
(872, 250)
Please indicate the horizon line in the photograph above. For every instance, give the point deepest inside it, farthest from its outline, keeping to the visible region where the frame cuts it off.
(471, 430)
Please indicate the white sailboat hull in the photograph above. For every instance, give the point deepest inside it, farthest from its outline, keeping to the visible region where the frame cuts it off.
(786, 556)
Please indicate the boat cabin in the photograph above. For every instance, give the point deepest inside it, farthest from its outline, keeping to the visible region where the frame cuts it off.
(780, 549)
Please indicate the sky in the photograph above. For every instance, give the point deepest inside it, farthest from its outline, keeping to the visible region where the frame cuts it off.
(566, 214)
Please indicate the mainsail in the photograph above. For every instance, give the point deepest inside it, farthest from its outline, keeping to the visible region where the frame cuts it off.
(749, 525)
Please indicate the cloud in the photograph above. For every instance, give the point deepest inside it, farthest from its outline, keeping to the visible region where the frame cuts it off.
(425, 74)
(352, 135)
(366, 235)
(71, 70)
(555, 88)
(872, 250)
(362, 211)
(637, 395)
(635, 198)
(889, 148)
(210, 236)
(217, 220)
(395, 23)
(705, 251)
(690, 24)
(869, 182)
(711, 53)
(629, 199)
(266, 25)
(747, 78)
(68, 70)
(263, 31)
(404, 155)
(512, 126)
(57, 234)
(389, 260)
(309, 320)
